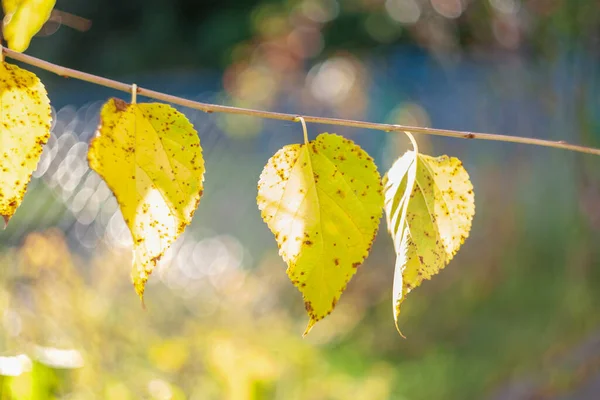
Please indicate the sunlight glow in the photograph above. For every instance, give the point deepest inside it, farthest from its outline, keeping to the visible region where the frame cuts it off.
(14, 366)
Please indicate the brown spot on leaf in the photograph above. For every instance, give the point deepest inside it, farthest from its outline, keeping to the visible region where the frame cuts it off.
(308, 306)
(120, 105)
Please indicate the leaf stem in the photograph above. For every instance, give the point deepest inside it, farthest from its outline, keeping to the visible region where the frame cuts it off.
(134, 90)
(304, 130)
(206, 107)
(413, 141)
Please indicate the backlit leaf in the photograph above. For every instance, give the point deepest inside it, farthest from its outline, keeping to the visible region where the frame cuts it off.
(25, 127)
(150, 156)
(429, 221)
(323, 202)
(23, 19)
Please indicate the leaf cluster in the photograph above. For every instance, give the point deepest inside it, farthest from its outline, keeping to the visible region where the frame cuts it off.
(323, 200)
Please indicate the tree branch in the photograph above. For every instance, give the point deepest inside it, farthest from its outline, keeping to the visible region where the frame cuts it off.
(71, 73)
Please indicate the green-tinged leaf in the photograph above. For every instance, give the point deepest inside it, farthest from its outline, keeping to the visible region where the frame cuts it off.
(24, 129)
(323, 202)
(429, 204)
(150, 157)
(23, 19)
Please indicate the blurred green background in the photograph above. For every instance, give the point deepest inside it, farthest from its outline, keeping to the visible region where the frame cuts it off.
(514, 316)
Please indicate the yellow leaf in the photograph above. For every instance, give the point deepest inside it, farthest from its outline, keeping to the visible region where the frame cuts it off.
(23, 19)
(26, 119)
(323, 202)
(429, 204)
(150, 157)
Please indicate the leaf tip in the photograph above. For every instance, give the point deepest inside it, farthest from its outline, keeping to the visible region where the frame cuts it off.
(140, 293)
(6, 219)
(310, 325)
(397, 315)
(139, 285)
(398, 329)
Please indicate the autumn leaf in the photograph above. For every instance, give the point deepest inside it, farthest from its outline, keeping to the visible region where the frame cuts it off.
(26, 119)
(429, 204)
(323, 202)
(150, 156)
(23, 19)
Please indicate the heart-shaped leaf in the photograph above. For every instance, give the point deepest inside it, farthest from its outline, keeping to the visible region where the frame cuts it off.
(429, 204)
(150, 156)
(323, 202)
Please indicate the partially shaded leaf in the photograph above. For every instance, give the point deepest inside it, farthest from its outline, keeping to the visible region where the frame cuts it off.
(25, 120)
(23, 19)
(323, 202)
(429, 204)
(150, 157)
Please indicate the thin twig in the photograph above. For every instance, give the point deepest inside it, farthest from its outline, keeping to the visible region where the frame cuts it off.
(124, 87)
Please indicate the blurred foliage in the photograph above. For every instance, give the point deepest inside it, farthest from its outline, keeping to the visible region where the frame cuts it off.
(51, 298)
(311, 55)
(140, 35)
(317, 56)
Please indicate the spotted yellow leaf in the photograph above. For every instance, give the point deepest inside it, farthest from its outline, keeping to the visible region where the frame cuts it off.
(25, 121)
(23, 19)
(150, 156)
(323, 202)
(429, 205)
